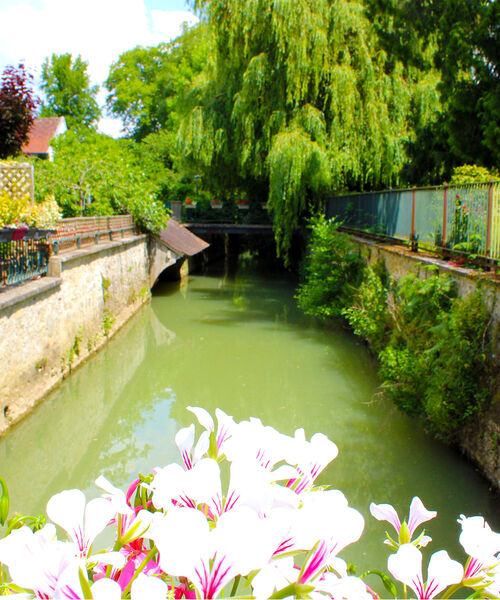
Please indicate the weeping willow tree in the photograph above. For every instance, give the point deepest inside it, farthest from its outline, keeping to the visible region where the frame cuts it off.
(298, 98)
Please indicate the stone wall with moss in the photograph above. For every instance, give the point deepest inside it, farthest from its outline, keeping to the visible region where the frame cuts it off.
(49, 326)
(481, 440)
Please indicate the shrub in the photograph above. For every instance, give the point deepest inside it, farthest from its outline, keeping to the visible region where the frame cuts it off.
(459, 358)
(19, 209)
(472, 174)
(368, 314)
(334, 270)
(434, 348)
(11, 208)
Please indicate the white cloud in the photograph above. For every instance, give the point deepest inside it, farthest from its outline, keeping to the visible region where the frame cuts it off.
(168, 25)
(112, 127)
(98, 30)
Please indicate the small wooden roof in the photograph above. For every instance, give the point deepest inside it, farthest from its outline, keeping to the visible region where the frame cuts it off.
(181, 239)
(42, 132)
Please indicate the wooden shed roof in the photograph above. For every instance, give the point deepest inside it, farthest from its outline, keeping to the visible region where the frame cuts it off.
(181, 239)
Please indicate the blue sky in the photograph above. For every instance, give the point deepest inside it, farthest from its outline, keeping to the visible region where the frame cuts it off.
(98, 30)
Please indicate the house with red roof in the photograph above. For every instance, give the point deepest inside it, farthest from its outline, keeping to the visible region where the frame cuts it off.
(44, 129)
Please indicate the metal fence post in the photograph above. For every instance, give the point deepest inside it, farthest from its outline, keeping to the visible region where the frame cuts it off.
(414, 246)
(445, 215)
(489, 217)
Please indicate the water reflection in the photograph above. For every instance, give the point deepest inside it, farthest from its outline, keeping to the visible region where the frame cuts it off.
(238, 343)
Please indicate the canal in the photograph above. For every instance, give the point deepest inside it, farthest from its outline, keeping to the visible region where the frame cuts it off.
(238, 342)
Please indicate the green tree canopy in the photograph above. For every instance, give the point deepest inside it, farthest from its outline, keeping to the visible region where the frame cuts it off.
(68, 92)
(300, 97)
(461, 38)
(94, 174)
(147, 86)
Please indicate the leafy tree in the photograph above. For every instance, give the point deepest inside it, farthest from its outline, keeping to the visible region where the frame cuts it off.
(300, 97)
(17, 109)
(469, 58)
(148, 85)
(69, 94)
(94, 174)
(461, 38)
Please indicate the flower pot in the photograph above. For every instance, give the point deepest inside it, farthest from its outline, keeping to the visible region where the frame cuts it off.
(19, 233)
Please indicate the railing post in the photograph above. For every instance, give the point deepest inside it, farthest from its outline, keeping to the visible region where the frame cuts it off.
(489, 219)
(445, 215)
(413, 239)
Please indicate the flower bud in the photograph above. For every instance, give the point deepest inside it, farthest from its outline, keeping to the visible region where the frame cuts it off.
(4, 502)
(404, 534)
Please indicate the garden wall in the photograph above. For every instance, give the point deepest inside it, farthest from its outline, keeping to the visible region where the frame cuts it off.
(49, 326)
(481, 441)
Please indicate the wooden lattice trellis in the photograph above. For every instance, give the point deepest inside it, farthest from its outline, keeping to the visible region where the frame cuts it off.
(17, 179)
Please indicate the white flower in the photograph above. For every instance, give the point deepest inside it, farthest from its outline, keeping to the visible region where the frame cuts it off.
(406, 566)
(418, 515)
(200, 485)
(83, 522)
(148, 588)
(210, 558)
(36, 560)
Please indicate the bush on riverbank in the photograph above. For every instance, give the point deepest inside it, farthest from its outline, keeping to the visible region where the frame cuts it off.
(434, 348)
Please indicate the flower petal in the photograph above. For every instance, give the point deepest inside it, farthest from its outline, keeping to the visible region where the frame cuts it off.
(478, 540)
(406, 566)
(148, 588)
(442, 572)
(418, 514)
(67, 510)
(203, 416)
(106, 589)
(184, 439)
(386, 512)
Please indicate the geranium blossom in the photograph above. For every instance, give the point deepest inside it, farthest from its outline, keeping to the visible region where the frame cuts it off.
(418, 515)
(242, 511)
(406, 566)
(483, 547)
(83, 522)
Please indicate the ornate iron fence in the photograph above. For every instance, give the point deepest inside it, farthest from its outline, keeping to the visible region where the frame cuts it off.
(24, 253)
(23, 259)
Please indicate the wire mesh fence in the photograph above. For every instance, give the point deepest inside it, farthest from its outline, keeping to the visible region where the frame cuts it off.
(463, 219)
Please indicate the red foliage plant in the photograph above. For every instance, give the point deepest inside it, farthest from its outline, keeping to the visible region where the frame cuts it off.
(18, 104)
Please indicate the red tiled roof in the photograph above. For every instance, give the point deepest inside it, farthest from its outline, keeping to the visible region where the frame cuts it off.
(181, 239)
(43, 130)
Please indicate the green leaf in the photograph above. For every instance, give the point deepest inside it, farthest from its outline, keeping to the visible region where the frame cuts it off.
(386, 580)
(294, 589)
(84, 582)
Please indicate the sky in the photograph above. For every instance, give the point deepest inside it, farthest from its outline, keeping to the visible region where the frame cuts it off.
(98, 30)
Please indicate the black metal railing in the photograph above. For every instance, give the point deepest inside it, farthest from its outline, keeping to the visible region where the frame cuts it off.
(23, 259)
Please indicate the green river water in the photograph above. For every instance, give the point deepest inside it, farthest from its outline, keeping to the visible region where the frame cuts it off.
(239, 343)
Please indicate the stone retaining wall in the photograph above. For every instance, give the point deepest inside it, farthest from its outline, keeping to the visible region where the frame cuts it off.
(49, 326)
(481, 440)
